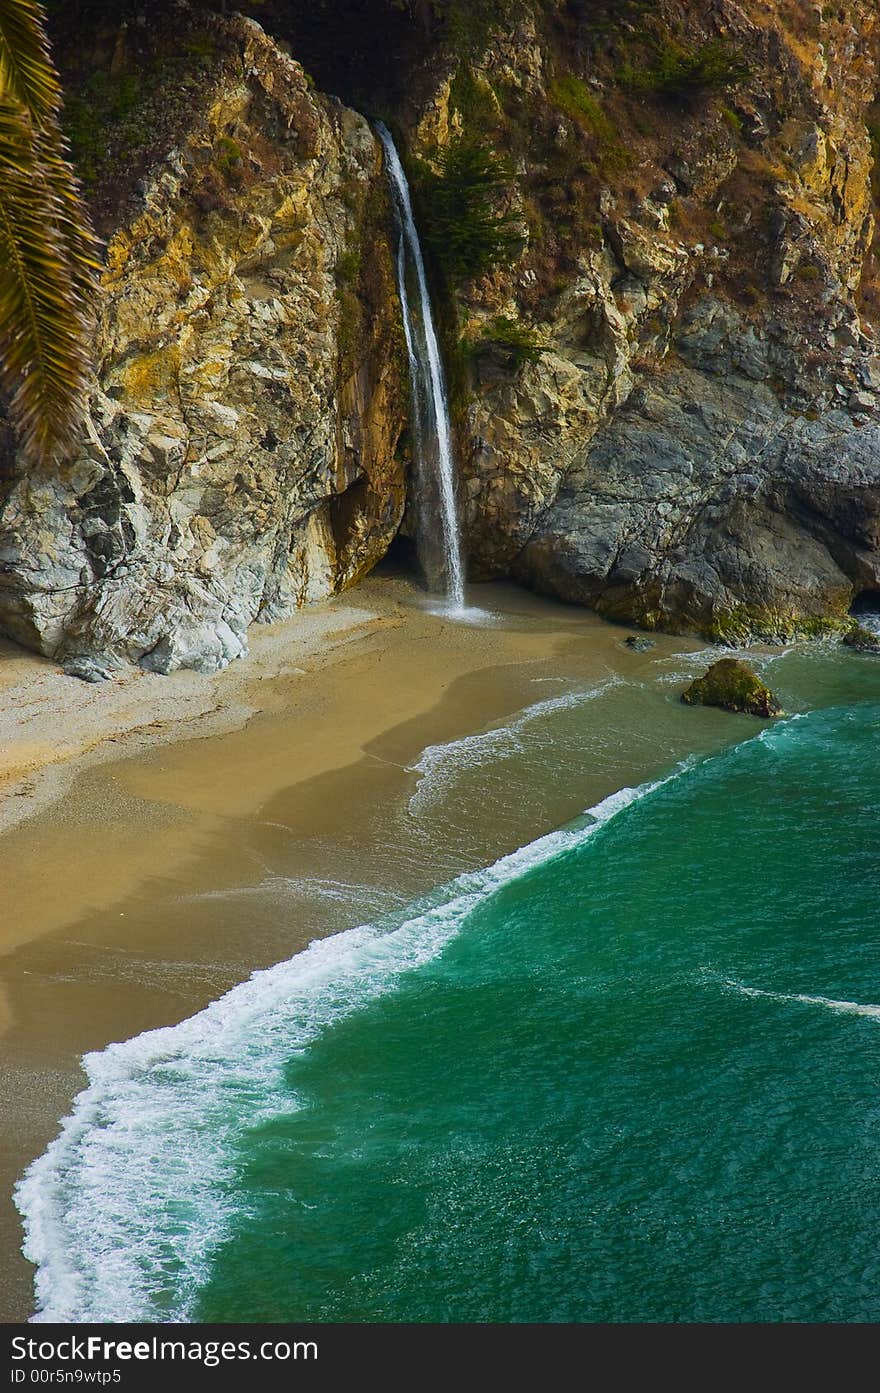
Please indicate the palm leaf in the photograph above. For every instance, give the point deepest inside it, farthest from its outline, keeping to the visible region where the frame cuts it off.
(43, 321)
(26, 72)
(48, 253)
(81, 247)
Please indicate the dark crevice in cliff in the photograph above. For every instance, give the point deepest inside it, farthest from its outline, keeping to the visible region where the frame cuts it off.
(362, 51)
(866, 602)
(401, 559)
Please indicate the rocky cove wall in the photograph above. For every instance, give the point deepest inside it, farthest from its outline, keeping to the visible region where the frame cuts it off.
(692, 443)
(240, 457)
(697, 443)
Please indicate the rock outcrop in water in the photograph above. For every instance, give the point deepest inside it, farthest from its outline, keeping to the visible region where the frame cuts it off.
(666, 402)
(862, 640)
(240, 454)
(731, 684)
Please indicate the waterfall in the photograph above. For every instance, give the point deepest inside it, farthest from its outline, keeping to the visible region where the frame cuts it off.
(431, 430)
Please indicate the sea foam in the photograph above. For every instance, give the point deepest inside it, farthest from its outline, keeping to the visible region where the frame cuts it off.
(438, 766)
(845, 1008)
(125, 1210)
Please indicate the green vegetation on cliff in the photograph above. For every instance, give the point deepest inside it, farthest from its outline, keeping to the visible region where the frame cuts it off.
(512, 341)
(460, 196)
(679, 72)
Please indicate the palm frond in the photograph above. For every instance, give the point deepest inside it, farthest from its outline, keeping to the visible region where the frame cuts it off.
(48, 253)
(43, 320)
(26, 72)
(81, 246)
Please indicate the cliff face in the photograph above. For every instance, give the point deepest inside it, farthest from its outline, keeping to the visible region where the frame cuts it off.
(667, 395)
(239, 459)
(695, 443)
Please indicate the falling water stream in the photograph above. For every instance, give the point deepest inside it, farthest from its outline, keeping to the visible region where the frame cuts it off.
(431, 430)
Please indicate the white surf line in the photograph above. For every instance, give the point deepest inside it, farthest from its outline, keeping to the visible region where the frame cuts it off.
(126, 1209)
(437, 764)
(276, 887)
(847, 1008)
(716, 651)
(135, 1195)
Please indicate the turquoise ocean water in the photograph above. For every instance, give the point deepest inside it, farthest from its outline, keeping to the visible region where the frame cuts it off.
(630, 1072)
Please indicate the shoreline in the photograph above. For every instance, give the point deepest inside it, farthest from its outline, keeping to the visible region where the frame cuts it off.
(58, 733)
(70, 725)
(128, 917)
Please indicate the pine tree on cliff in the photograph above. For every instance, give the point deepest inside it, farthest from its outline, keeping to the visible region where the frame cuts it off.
(48, 264)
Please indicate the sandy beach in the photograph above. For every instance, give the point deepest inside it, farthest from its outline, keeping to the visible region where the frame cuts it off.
(135, 811)
(337, 677)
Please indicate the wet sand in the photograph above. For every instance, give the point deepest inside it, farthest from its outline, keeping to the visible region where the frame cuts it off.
(191, 830)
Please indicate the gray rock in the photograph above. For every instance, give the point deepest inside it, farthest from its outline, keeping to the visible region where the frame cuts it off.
(684, 456)
(239, 459)
(674, 519)
(87, 669)
(691, 449)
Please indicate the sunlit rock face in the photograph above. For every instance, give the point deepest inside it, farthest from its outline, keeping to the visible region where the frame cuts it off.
(240, 456)
(666, 403)
(697, 443)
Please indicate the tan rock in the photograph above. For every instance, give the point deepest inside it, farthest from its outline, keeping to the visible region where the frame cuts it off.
(240, 458)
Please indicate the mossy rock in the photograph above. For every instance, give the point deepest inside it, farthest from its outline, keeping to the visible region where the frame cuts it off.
(862, 640)
(744, 623)
(731, 684)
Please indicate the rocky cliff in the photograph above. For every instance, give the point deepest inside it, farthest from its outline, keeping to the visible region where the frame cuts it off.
(666, 382)
(240, 455)
(693, 439)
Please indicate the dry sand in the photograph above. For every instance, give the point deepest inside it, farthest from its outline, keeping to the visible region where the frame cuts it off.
(307, 700)
(51, 724)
